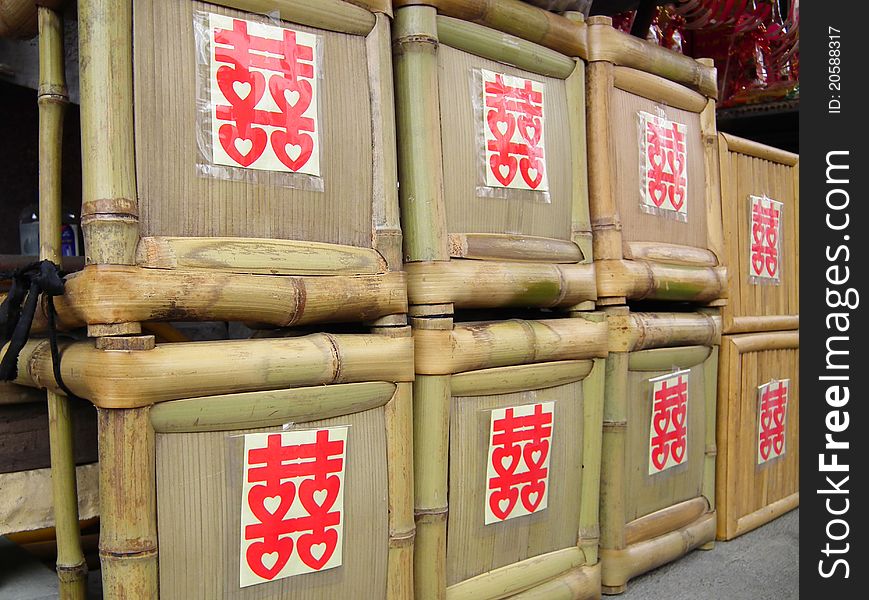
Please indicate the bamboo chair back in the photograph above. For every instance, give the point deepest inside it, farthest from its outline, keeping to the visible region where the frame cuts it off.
(650, 504)
(460, 206)
(755, 485)
(465, 550)
(753, 174)
(656, 214)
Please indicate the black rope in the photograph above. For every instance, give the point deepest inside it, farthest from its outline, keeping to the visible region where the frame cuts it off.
(19, 308)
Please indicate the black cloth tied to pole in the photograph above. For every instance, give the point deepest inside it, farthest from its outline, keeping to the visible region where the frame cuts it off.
(19, 308)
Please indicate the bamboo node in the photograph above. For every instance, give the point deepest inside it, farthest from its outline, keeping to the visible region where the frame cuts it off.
(431, 512)
(72, 573)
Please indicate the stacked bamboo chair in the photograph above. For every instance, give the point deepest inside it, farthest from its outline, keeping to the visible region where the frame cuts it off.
(659, 259)
(758, 397)
(473, 245)
(165, 243)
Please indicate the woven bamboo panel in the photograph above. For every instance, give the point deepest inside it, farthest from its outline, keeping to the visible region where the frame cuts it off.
(520, 212)
(174, 200)
(473, 547)
(198, 514)
(644, 493)
(744, 175)
(638, 226)
(749, 494)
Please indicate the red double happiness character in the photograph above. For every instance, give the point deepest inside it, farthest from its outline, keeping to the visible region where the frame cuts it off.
(537, 433)
(502, 125)
(669, 427)
(765, 223)
(771, 420)
(277, 61)
(506, 457)
(665, 160)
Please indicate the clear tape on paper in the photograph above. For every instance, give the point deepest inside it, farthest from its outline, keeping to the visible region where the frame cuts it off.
(663, 165)
(258, 101)
(510, 136)
(764, 246)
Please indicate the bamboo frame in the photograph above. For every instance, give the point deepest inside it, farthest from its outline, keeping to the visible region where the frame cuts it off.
(332, 15)
(214, 368)
(748, 167)
(749, 496)
(613, 46)
(632, 269)
(515, 18)
(499, 284)
(117, 294)
(500, 363)
(654, 342)
(530, 39)
(71, 566)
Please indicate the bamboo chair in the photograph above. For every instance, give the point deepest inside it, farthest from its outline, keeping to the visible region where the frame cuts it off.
(651, 518)
(751, 169)
(640, 255)
(464, 371)
(755, 484)
(518, 250)
(164, 244)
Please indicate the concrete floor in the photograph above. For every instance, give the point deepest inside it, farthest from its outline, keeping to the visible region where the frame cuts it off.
(761, 565)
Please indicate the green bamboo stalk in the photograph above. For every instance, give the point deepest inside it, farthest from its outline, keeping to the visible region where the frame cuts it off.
(612, 480)
(592, 442)
(420, 162)
(71, 567)
(664, 359)
(710, 373)
(332, 15)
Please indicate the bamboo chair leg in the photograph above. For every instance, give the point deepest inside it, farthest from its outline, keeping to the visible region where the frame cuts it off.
(52, 98)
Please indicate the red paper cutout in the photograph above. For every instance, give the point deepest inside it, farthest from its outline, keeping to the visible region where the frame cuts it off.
(765, 235)
(668, 442)
(771, 420)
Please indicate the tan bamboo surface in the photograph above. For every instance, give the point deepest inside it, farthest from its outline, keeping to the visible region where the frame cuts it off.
(484, 345)
(643, 256)
(494, 246)
(186, 369)
(752, 169)
(648, 520)
(119, 294)
(198, 524)
(619, 48)
(499, 284)
(517, 19)
(38, 511)
(331, 15)
(465, 370)
(18, 18)
(445, 223)
(52, 99)
(749, 494)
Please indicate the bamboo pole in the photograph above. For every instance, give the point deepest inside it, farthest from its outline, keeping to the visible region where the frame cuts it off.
(473, 346)
(183, 370)
(498, 284)
(516, 18)
(580, 219)
(385, 213)
(128, 512)
(110, 213)
(603, 208)
(643, 330)
(611, 45)
(710, 377)
(399, 461)
(495, 45)
(71, 566)
(618, 566)
(332, 15)
(593, 388)
(638, 280)
(420, 162)
(110, 294)
(431, 447)
(665, 520)
(612, 479)
(758, 150)
(764, 515)
(517, 577)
